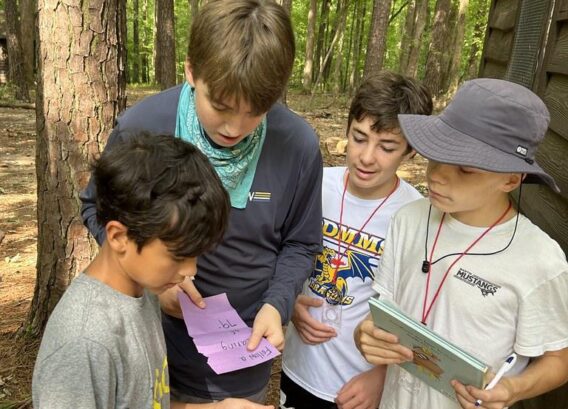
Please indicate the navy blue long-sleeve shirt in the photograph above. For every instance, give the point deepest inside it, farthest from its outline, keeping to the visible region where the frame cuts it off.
(267, 251)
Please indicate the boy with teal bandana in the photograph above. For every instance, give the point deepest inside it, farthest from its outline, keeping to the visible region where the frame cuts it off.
(240, 56)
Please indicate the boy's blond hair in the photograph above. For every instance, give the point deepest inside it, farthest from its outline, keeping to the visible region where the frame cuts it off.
(242, 49)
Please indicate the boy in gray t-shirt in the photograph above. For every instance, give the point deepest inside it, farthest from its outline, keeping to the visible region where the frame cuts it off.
(162, 205)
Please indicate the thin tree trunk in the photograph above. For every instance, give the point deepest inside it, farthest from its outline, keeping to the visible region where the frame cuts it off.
(144, 60)
(433, 77)
(135, 77)
(16, 73)
(455, 64)
(310, 39)
(193, 7)
(80, 92)
(421, 20)
(27, 28)
(338, 32)
(165, 51)
(481, 16)
(324, 13)
(338, 63)
(359, 31)
(376, 45)
(406, 43)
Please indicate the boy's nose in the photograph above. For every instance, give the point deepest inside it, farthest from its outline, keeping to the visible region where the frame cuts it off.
(368, 155)
(436, 172)
(188, 267)
(234, 126)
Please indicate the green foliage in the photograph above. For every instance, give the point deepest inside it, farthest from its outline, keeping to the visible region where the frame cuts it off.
(477, 11)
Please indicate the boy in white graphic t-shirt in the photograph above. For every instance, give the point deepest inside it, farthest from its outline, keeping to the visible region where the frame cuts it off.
(322, 368)
(466, 263)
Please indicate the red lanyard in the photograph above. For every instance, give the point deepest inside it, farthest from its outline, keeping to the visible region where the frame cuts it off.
(337, 260)
(426, 313)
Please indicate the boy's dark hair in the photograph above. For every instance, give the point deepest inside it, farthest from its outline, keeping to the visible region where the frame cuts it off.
(242, 49)
(161, 187)
(385, 95)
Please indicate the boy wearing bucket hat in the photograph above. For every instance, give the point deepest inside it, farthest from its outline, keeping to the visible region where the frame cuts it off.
(466, 262)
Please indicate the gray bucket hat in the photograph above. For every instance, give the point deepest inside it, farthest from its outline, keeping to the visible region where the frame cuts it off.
(490, 124)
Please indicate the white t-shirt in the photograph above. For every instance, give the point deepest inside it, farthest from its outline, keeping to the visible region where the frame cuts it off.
(323, 369)
(516, 300)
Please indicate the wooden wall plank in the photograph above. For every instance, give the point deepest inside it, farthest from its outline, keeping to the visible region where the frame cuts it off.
(548, 211)
(556, 99)
(558, 61)
(504, 15)
(499, 46)
(552, 157)
(494, 70)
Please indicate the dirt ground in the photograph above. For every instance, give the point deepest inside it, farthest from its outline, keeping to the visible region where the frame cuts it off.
(18, 228)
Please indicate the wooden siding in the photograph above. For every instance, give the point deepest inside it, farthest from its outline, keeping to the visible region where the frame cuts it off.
(543, 206)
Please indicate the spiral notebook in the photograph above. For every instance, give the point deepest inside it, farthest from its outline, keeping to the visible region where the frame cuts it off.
(436, 360)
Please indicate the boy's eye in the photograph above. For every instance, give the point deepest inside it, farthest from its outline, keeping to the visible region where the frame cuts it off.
(467, 171)
(387, 150)
(219, 108)
(357, 138)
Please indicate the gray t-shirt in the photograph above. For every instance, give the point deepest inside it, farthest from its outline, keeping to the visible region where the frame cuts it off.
(102, 349)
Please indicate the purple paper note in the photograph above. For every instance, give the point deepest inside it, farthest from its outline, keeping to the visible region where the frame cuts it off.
(220, 334)
(240, 357)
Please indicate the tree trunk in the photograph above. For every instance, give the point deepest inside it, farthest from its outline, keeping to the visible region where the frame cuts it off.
(376, 45)
(27, 27)
(338, 62)
(359, 30)
(144, 60)
(416, 21)
(165, 51)
(341, 17)
(455, 56)
(16, 73)
(80, 92)
(481, 16)
(324, 14)
(286, 5)
(310, 39)
(135, 75)
(434, 63)
(194, 8)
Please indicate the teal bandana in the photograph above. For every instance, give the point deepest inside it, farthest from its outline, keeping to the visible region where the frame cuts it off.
(236, 165)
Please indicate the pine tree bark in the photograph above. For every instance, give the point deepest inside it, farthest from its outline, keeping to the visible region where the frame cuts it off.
(144, 60)
(433, 77)
(81, 90)
(16, 73)
(377, 43)
(165, 50)
(27, 28)
(354, 77)
(310, 40)
(324, 14)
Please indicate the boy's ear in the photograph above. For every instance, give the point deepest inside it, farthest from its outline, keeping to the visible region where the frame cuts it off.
(409, 155)
(116, 236)
(512, 181)
(189, 73)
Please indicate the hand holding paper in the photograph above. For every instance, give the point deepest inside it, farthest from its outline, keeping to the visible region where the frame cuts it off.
(267, 323)
(220, 334)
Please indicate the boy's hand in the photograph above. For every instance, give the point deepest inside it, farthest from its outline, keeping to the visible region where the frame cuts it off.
(379, 347)
(363, 391)
(169, 298)
(310, 330)
(495, 398)
(267, 323)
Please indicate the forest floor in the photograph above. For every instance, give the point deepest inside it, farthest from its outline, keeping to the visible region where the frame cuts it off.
(18, 226)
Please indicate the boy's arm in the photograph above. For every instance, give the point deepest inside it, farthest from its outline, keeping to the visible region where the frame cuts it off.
(301, 239)
(89, 197)
(543, 374)
(78, 375)
(363, 391)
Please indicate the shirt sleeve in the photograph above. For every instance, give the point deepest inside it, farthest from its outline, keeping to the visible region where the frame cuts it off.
(384, 282)
(543, 318)
(78, 375)
(301, 239)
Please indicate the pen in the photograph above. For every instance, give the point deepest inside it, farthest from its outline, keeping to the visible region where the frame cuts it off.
(508, 364)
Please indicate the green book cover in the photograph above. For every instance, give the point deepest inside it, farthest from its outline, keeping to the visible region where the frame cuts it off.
(436, 360)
